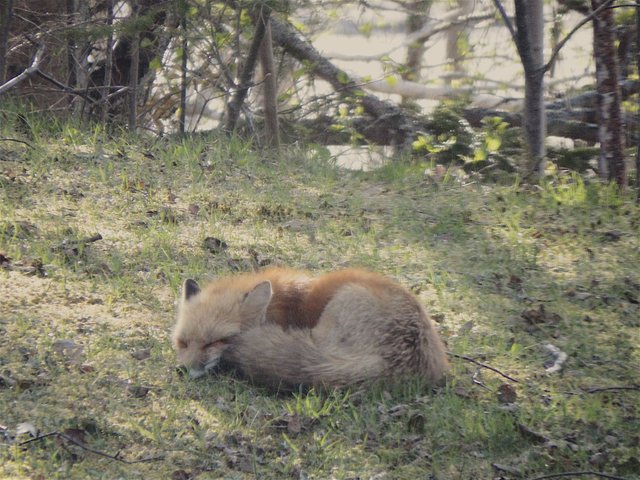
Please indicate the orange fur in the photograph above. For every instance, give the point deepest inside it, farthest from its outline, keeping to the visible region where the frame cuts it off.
(285, 327)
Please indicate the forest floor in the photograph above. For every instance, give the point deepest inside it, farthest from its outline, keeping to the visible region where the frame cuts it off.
(541, 283)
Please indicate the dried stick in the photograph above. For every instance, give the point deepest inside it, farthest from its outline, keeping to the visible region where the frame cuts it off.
(78, 443)
(484, 365)
(577, 474)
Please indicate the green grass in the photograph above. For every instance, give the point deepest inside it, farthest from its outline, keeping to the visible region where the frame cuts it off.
(86, 349)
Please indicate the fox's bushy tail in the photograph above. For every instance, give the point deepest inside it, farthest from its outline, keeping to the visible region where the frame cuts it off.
(282, 359)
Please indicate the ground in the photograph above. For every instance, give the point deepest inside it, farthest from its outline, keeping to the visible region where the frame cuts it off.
(516, 276)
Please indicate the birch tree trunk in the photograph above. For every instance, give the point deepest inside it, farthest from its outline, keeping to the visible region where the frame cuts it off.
(611, 161)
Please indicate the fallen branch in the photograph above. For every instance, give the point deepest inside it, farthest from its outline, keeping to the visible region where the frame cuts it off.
(484, 365)
(17, 141)
(67, 245)
(612, 389)
(80, 444)
(578, 474)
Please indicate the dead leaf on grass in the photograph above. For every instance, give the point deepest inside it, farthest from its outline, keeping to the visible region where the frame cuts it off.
(531, 435)
(68, 349)
(507, 394)
(214, 245)
(294, 424)
(137, 391)
(27, 427)
(536, 316)
(141, 354)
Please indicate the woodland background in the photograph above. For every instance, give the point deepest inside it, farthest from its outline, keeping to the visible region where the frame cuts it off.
(456, 80)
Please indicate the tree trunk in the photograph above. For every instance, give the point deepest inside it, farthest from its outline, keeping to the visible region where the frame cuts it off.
(454, 37)
(611, 163)
(530, 43)
(5, 27)
(108, 64)
(416, 19)
(183, 69)
(244, 81)
(133, 72)
(270, 91)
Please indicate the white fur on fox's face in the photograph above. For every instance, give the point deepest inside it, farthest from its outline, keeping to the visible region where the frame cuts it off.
(206, 326)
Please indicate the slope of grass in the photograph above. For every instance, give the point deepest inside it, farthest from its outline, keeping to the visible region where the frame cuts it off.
(505, 271)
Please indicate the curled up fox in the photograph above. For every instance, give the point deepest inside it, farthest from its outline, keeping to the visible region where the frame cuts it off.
(284, 328)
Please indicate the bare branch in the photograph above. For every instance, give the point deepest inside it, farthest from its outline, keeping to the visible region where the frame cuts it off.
(28, 72)
(579, 25)
(507, 20)
(483, 365)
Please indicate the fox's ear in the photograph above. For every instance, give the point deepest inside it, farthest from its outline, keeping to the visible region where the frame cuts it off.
(189, 289)
(257, 300)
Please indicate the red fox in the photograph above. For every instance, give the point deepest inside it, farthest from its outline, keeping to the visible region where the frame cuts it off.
(284, 328)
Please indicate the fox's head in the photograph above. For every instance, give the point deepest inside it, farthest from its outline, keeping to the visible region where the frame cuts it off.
(209, 321)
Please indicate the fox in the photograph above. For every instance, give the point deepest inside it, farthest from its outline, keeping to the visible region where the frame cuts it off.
(285, 329)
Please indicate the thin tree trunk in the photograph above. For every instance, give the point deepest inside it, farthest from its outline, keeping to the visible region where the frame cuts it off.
(234, 106)
(530, 43)
(416, 20)
(611, 163)
(108, 64)
(5, 27)
(183, 70)
(133, 71)
(454, 36)
(270, 90)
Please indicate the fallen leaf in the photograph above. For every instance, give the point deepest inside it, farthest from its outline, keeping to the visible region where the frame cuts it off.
(180, 475)
(137, 391)
(531, 435)
(27, 427)
(68, 349)
(75, 434)
(535, 316)
(416, 423)
(141, 354)
(294, 425)
(507, 394)
(214, 245)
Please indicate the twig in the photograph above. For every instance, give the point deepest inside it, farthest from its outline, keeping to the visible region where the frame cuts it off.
(579, 25)
(68, 244)
(577, 474)
(507, 20)
(16, 140)
(484, 365)
(612, 389)
(89, 449)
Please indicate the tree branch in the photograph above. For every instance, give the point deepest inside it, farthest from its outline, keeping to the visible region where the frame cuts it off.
(506, 20)
(28, 72)
(579, 25)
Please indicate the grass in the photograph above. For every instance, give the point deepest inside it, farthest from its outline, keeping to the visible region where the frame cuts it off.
(85, 326)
